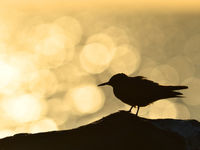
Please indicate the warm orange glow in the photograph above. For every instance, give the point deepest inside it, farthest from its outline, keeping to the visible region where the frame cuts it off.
(71, 75)
(53, 55)
(86, 99)
(43, 125)
(48, 42)
(51, 39)
(103, 39)
(72, 28)
(58, 111)
(165, 75)
(183, 65)
(95, 58)
(162, 109)
(5, 133)
(8, 74)
(119, 35)
(126, 60)
(43, 82)
(23, 108)
(136, 5)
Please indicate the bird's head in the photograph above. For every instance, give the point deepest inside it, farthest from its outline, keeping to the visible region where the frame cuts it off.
(115, 80)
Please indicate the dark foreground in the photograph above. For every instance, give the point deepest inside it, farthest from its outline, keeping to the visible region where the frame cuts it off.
(118, 131)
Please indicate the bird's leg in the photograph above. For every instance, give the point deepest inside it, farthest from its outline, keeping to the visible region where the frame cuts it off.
(130, 109)
(137, 110)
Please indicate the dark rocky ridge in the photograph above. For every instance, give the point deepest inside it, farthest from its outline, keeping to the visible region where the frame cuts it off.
(188, 129)
(121, 130)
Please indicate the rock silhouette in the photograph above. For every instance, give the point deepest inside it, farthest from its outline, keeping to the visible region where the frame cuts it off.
(138, 91)
(118, 131)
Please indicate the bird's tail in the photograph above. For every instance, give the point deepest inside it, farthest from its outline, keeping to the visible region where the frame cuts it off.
(170, 91)
(176, 87)
(176, 94)
(173, 94)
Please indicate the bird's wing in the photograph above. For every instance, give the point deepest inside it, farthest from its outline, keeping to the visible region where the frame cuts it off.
(141, 81)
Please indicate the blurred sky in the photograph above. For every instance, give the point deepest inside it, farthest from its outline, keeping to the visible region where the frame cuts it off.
(54, 53)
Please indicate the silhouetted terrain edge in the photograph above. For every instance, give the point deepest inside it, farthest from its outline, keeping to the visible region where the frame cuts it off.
(118, 131)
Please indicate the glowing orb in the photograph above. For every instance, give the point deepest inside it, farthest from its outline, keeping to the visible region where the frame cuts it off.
(23, 108)
(103, 39)
(72, 28)
(147, 66)
(5, 133)
(86, 99)
(43, 83)
(8, 74)
(95, 58)
(70, 72)
(57, 111)
(164, 74)
(13, 68)
(126, 60)
(118, 34)
(183, 65)
(50, 45)
(162, 109)
(43, 126)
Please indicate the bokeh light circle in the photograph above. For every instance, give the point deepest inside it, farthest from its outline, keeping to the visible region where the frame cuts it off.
(57, 111)
(119, 35)
(9, 74)
(72, 28)
(162, 109)
(165, 75)
(103, 39)
(126, 59)
(5, 133)
(43, 82)
(183, 65)
(49, 45)
(23, 108)
(95, 58)
(43, 125)
(86, 99)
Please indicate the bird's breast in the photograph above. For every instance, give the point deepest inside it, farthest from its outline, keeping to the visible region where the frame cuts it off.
(130, 96)
(125, 95)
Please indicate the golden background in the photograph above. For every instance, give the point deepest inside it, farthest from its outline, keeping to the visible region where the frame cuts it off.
(53, 54)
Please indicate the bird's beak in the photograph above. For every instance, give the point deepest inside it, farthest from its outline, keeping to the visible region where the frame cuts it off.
(102, 84)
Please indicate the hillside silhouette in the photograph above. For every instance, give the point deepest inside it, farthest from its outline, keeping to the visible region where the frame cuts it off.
(118, 131)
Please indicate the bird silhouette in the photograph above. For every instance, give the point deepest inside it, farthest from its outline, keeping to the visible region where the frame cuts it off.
(140, 92)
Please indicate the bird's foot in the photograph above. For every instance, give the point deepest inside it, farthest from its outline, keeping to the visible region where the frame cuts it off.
(130, 109)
